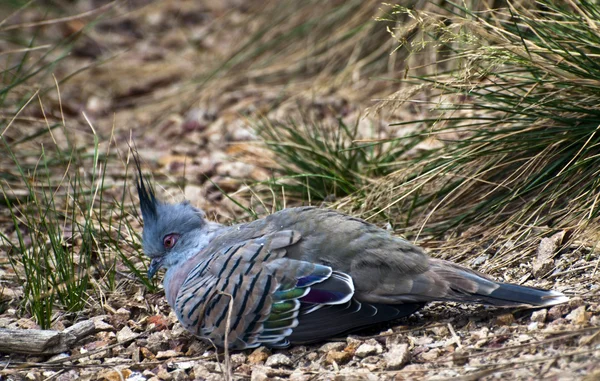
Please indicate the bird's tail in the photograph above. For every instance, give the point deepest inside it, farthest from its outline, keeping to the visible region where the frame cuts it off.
(465, 285)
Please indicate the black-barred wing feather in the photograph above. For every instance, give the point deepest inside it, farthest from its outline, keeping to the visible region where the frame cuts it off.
(269, 292)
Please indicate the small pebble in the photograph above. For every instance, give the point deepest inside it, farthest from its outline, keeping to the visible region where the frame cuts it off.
(431, 355)
(533, 326)
(579, 316)
(201, 372)
(125, 334)
(259, 374)
(559, 322)
(442, 331)
(339, 357)
(460, 357)
(178, 375)
(259, 356)
(299, 375)
(558, 311)
(167, 354)
(312, 356)
(115, 375)
(397, 356)
(334, 346)
(158, 341)
(506, 319)
(479, 260)
(185, 365)
(539, 316)
(369, 348)
(238, 358)
(575, 302)
(278, 360)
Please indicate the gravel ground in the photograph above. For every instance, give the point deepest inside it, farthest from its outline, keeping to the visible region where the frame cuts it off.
(142, 92)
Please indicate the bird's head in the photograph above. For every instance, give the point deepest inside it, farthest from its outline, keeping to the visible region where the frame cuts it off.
(172, 232)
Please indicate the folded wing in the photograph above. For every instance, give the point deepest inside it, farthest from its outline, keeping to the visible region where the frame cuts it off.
(274, 298)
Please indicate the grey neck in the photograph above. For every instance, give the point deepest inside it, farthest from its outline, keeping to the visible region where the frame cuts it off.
(202, 239)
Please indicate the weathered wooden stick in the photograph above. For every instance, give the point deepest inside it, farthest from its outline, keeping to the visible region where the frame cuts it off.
(43, 342)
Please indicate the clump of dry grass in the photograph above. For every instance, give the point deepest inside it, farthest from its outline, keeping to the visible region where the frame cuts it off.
(518, 122)
(65, 228)
(509, 152)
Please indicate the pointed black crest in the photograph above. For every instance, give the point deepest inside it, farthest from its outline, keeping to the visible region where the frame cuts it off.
(145, 191)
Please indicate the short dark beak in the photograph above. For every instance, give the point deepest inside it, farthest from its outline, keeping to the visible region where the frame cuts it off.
(155, 265)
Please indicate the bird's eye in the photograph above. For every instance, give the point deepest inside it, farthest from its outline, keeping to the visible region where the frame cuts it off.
(170, 240)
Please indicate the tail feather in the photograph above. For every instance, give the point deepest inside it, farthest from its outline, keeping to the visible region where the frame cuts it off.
(512, 294)
(466, 285)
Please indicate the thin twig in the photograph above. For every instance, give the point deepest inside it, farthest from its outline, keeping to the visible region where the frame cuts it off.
(228, 371)
(454, 335)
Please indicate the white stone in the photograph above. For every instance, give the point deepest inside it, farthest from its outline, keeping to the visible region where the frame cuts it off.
(278, 360)
(369, 348)
(397, 356)
(125, 334)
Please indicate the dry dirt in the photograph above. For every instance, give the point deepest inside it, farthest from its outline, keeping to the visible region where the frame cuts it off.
(144, 64)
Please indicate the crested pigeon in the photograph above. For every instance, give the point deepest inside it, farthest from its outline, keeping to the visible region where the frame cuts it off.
(300, 275)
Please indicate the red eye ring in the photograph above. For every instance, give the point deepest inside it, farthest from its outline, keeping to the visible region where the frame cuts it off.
(170, 240)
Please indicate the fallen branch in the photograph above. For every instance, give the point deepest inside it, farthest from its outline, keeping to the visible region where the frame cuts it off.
(43, 342)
